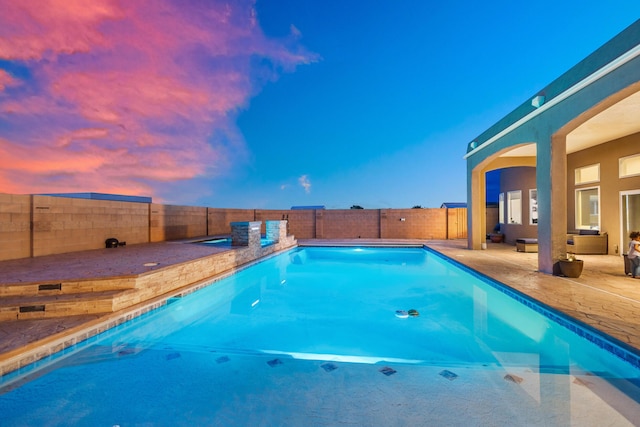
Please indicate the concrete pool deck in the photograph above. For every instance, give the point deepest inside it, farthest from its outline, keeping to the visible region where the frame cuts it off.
(602, 297)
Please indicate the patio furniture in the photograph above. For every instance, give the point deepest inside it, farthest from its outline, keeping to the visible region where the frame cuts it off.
(526, 244)
(587, 242)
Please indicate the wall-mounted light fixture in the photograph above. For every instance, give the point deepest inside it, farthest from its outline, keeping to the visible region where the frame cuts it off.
(537, 101)
(402, 219)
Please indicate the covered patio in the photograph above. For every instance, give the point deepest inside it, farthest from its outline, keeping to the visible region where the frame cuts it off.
(576, 133)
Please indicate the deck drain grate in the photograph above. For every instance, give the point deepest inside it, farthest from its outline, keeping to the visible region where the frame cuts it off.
(31, 308)
(50, 287)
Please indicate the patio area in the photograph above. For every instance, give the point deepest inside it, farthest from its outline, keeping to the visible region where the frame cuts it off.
(602, 297)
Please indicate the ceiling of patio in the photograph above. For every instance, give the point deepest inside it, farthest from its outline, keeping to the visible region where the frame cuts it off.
(619, 120)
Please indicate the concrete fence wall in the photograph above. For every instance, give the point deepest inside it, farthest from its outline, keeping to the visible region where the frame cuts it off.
(32, 226)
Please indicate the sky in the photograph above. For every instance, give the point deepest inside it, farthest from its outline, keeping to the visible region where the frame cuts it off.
(269, 104)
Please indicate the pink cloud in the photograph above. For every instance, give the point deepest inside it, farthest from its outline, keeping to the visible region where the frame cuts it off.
(6, 80)
(127, 96)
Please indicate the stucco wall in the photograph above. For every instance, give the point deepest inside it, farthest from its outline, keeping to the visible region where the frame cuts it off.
(514, 179)
(607, 155)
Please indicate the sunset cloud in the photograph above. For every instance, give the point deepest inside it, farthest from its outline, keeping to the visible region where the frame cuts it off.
(118, 96)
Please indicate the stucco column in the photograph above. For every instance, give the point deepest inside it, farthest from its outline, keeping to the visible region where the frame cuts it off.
(476, 208)
(551, 180)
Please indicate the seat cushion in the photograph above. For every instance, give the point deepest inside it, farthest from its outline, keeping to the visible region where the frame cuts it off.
(527, 240)
(589, 232)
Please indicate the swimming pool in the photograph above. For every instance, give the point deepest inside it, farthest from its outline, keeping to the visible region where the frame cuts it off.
(312, 337)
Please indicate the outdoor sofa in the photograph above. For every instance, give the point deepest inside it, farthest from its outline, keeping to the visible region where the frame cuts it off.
(526, 244)
(587, 242)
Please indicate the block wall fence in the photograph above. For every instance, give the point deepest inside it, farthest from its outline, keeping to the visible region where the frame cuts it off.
(32, 225)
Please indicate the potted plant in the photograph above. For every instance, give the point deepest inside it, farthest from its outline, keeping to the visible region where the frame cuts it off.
(496, 236)
(571, 266)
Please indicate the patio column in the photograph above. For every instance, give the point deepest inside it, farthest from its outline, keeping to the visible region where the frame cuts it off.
(551, 180)
(476, 208)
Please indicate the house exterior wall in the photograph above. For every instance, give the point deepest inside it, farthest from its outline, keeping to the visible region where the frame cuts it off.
(514, 179)
(604, 78)
(607, 156)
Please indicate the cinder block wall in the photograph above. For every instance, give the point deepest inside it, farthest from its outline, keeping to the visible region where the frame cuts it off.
(171, 222)
(417, 224)
(350, 224)
(301, 223)
(42, 225)
(15, 226)
(219, 219)
(63, 224)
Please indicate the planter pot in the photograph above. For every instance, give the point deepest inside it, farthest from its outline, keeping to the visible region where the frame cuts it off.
(571, 268)
(496, 238)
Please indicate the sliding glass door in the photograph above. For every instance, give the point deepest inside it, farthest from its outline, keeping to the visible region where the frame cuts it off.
(630, 216)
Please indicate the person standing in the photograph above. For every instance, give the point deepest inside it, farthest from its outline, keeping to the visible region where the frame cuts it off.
(634, 254)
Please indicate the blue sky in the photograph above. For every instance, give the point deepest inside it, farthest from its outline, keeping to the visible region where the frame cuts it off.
(275, 103)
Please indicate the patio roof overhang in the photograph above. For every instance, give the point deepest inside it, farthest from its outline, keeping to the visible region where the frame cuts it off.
(614, 121)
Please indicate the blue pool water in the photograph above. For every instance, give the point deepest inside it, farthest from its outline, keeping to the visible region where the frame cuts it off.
(311, 337)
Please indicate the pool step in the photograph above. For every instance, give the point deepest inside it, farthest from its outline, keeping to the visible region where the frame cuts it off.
(62, 287)
(59, 298)
(39, 307)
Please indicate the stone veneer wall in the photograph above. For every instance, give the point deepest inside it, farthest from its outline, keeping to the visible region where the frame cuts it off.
(276, 230)
(246, 233)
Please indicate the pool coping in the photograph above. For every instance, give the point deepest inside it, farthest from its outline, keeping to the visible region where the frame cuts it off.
(604, 341)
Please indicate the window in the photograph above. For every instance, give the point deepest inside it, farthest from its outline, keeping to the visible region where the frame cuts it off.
(514, 207)
(533, 207)
(587, 174)
(501, 208)
(588, 208)
(629, 166)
